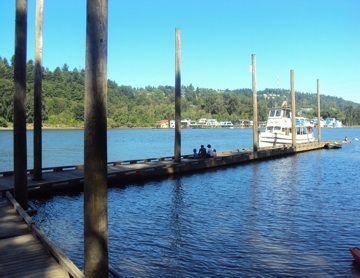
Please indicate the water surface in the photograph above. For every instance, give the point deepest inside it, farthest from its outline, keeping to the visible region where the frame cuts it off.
(293, 216)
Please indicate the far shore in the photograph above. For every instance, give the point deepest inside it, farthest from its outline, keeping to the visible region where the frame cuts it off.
(72, 128)
(82, 128)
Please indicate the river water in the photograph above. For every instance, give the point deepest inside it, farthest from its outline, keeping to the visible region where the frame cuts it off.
(288, 217)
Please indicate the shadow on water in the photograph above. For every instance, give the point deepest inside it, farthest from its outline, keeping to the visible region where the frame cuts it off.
(294, 216)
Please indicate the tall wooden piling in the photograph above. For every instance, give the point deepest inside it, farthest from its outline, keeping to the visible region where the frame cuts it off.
(95, 141)
(38, 91)
(293, 108)
(177, 149)
(318, 99)
(20, 149)
(255, 111)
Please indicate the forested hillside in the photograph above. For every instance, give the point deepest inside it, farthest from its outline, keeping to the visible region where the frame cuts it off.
(63, 97)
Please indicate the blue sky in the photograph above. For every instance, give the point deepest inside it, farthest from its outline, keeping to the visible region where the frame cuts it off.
(318, 39)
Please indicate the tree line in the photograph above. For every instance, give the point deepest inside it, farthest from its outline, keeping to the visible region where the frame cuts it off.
(63, 101)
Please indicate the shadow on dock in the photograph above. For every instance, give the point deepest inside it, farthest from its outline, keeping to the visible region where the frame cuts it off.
(25, 251)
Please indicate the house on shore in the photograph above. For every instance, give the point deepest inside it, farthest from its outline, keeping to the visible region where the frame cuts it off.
(163, 124)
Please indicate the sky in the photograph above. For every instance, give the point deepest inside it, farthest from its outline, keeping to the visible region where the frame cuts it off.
(318, 39)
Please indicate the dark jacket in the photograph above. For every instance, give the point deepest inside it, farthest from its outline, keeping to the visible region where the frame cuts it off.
(202, 152)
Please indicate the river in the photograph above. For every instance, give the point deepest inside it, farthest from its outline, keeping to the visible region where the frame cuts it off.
(294, 216)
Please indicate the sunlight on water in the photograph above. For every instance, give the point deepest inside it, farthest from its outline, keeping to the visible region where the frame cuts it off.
(294, 216)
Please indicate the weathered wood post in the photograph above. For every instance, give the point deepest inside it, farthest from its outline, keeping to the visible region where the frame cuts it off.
(293, 108)
(38, 91)
(177, 150)
(95, 141)
(20, 149)
(255, 110)
(318, 99)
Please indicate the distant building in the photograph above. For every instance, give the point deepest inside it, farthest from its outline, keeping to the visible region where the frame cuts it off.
(227, 124)
(212, 123)
(243, 123)
(172, 124)
(162, 124)
(322, 122)
(185, 123)
(332, 122)
(202, 121)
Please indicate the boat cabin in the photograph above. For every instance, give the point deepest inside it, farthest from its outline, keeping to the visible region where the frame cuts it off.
(279, 120)
(282, 112)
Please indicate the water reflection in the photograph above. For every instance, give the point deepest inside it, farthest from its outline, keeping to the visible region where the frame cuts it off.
(293, 216)
(176, 225)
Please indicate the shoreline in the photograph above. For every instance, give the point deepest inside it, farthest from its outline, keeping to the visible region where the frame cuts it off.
(72, 128)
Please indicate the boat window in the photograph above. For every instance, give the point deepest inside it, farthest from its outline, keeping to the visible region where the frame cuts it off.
(277, 128)
(270, 128)
(272, 113)
(287, 113)
(300, 130)
(278, 113)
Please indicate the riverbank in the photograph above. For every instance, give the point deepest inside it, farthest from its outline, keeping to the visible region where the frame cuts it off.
(72, 128)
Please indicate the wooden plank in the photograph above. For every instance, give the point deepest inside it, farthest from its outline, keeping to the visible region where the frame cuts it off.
(58, 254)
(25, 250)
(11, 223)
(11, 229)
(19, 210)
(25, 256)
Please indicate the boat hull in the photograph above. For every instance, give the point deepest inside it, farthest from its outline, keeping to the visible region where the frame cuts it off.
(269, 139)
(355, 252)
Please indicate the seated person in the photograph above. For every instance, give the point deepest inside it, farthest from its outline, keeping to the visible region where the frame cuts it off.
(210, 152)
(195, 155)
(202, 152)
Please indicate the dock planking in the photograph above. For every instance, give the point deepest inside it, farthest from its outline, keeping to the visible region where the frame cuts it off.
(121, 172)
(24, 250)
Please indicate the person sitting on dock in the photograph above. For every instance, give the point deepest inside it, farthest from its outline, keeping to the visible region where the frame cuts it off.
(214, 153)
(202, 152)
(210, 152)
(195, 154)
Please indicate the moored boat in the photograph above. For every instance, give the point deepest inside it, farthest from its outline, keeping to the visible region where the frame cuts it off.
(355, 252)
(278, 130)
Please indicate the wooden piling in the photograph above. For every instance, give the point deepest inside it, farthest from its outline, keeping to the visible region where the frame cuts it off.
(293, 108)
(20, 149)
(177, 149)
(255, 111)
(38, 91)
(95, 141)
(318, 99)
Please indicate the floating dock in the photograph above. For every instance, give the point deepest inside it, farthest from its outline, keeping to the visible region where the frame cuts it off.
(122, 172)
(25, 251)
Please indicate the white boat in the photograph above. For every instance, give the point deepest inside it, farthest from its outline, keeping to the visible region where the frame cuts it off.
(227, 124)
(278, 129)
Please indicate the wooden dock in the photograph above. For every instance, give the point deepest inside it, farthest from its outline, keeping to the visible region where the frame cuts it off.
(121, 172)
(24, 250)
